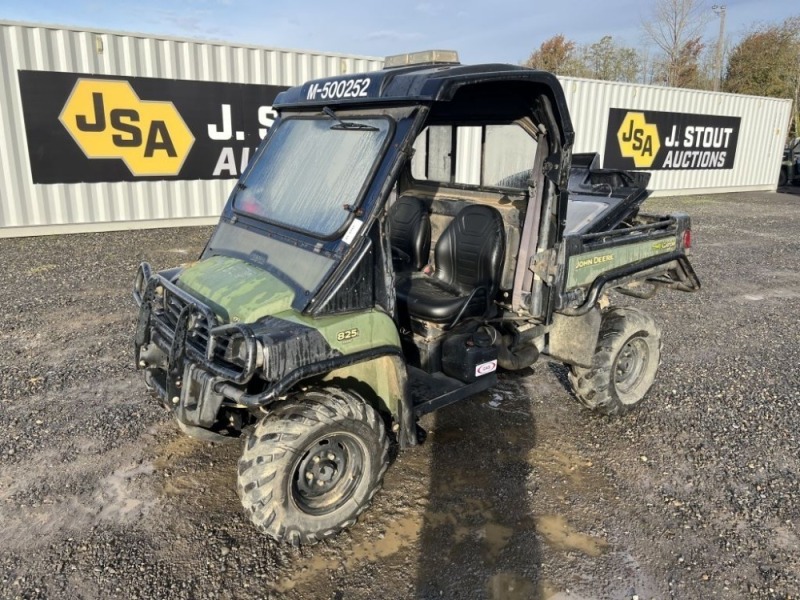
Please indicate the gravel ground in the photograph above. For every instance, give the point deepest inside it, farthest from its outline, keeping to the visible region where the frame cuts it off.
(696, 495)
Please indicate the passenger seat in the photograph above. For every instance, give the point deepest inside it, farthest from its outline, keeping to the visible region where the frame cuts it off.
(469, 258)
(409, 234)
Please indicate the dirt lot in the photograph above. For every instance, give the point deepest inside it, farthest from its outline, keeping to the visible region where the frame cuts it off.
(697, 495)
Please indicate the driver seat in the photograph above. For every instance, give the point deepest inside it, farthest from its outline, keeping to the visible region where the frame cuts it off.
(468, 257)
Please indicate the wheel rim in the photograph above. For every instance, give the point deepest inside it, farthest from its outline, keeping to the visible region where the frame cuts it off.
(631, 365)
(327, 473)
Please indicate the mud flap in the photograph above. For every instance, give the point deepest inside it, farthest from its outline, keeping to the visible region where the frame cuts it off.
(573, 339)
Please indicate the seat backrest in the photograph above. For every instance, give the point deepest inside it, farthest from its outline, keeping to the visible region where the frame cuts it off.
(470, 252)
(410, 231)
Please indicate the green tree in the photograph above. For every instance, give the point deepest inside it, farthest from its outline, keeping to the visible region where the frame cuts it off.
(611, 62)
(604, 59)
(766, 62)
(686, 70)
(556, 55)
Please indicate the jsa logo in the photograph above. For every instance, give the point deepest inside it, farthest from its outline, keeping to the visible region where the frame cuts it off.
(108, 120)
(638, 139)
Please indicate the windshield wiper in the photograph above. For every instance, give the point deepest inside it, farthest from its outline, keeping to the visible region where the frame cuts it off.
(346, 124)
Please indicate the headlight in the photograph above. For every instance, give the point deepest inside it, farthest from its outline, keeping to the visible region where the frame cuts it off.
(143, 274)
(262, 354)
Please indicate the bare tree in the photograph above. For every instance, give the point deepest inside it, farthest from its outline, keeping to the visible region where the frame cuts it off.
(676, 27)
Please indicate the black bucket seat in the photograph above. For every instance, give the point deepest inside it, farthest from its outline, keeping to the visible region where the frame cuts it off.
(468, 258)
(409, 233)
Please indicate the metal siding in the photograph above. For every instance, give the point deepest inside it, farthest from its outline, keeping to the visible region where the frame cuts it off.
(761, 138)
(35, 47)
(112, 205)
(764, 124)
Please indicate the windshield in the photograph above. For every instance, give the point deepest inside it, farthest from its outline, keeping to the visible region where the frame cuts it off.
(311, 173)
(279, 258)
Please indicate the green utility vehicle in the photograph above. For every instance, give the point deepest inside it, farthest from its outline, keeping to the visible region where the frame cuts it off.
(398, 238)
(790, 167)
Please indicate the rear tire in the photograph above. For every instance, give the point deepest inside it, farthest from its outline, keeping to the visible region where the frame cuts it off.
(783, 178)
(624, 365)
(312, 466)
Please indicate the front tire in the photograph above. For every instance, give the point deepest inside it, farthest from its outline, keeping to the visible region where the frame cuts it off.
(312, 466)
(783, 178)
(624, 365)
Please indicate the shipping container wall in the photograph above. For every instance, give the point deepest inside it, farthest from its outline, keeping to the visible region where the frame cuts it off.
(41, 191)
(32, 209)
(759, 149)
(751, 131)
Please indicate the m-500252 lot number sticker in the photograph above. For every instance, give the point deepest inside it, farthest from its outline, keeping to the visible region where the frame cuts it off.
(344, 88)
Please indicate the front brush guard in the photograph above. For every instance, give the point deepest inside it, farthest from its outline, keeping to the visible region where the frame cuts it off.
(192, 317)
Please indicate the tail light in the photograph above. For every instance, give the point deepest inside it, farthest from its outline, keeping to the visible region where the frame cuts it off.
(687, 239)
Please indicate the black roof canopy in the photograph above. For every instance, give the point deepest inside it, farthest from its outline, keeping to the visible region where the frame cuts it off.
(432, 84)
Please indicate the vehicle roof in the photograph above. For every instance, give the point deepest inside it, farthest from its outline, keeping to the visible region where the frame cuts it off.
(428, 84)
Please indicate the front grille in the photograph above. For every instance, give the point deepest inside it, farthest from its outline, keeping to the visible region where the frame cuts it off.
(189, 338)
(171, 307)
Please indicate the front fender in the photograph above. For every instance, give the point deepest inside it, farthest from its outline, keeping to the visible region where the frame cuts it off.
(383, 382)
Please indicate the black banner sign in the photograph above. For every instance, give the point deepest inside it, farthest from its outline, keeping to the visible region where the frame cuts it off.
(652, 140)
(86, 128)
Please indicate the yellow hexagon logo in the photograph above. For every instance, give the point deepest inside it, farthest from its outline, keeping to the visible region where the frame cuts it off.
(638, 140)
(108, 120)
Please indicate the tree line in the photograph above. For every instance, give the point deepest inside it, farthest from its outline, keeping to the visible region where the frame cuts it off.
(764, 62)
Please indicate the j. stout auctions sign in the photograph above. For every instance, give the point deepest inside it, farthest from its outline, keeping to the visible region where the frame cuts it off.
(668, 141)
(85, 128)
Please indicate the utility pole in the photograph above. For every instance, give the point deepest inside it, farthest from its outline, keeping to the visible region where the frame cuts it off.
(720, 11)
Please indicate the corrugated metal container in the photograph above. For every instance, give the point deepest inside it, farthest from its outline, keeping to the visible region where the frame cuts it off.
(28, 209)
(762, 133)
(764, 123)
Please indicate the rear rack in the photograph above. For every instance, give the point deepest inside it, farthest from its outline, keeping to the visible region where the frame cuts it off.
(645, 228)
(667, 269)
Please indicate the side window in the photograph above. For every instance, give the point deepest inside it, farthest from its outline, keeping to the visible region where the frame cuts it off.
(488, 155)
(508, 153)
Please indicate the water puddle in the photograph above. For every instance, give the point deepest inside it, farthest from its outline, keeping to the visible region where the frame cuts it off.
(770, 294)
(559, 462)
(496, 537)
(562, 536)
(398, 535)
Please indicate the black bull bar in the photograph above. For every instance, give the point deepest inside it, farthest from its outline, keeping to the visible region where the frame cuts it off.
(194, 316)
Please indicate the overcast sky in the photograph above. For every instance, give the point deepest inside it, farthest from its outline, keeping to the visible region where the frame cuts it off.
(482, 31)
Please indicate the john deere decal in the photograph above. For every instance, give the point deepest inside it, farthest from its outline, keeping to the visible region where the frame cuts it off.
(652, 140)
(85, 128)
